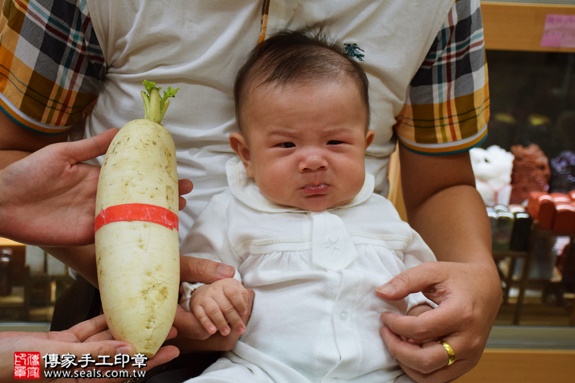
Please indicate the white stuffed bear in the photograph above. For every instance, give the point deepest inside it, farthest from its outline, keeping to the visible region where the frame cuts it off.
(492, 168)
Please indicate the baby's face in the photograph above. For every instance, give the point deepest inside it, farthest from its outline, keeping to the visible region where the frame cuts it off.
(307, 142)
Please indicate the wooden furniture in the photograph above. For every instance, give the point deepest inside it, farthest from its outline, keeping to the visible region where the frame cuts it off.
(516, 26)
(507, 277)
(5, 242)
(523, 366)
(548, 233)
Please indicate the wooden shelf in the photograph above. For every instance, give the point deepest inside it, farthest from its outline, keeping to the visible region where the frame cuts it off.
(514, 26)
(4, 242)
(520, 366)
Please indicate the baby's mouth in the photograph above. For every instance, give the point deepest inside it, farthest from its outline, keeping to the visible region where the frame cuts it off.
(320, 188)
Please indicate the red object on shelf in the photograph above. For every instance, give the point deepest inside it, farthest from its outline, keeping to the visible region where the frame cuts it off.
(554, 211)
(564, 221)
(546, 212)
(561, 198)
(533, 203)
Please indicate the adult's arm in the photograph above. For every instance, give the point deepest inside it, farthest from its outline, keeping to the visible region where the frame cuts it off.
(17, 142)
(45, 92)
(444, 207)
(446, 114)
(48, 197)
(47, 193)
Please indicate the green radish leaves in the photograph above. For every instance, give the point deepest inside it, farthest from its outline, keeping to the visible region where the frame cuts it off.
(155, 106)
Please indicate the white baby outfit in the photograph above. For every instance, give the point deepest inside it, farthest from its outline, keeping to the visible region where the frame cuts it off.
(316, 315)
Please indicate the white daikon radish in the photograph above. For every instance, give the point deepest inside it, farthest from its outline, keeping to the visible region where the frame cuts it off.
(136, 226)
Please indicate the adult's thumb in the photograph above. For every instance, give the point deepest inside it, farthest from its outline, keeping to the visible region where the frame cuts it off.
(93, 147)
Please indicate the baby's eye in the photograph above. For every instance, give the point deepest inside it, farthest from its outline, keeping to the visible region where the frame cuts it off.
(334, 142)
(286, 145)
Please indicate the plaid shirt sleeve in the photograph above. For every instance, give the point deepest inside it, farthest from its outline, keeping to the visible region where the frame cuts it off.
(447, 108)
(51, 65)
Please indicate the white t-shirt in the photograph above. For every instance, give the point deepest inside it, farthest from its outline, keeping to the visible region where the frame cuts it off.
(138, 47)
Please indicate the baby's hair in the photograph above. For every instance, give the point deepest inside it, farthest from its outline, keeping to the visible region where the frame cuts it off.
(297, 56)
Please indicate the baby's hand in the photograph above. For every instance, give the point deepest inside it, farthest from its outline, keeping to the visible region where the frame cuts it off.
(219, 305)
(419, 309)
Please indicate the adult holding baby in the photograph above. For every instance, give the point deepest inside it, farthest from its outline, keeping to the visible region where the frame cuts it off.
(417, 65)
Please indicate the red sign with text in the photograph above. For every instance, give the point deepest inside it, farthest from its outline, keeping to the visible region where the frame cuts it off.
(26, 365)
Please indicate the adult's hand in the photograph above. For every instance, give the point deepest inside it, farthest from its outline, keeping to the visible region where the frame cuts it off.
(443, 205)
(48, 197)
(88, 337)
(468, 296)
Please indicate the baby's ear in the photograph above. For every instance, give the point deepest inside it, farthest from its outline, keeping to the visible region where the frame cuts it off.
(369, 137)
(240, 146)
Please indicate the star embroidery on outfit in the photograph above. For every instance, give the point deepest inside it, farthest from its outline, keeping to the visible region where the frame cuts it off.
(353, 50)
(332, 244)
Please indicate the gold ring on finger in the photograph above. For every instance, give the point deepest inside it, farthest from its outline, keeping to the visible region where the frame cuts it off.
(450, 352)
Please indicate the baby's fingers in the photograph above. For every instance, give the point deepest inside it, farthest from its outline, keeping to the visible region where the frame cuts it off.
(239, 299)
(210, 316)
(233, 315)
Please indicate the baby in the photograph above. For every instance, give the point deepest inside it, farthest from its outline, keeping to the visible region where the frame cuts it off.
(302, 225)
